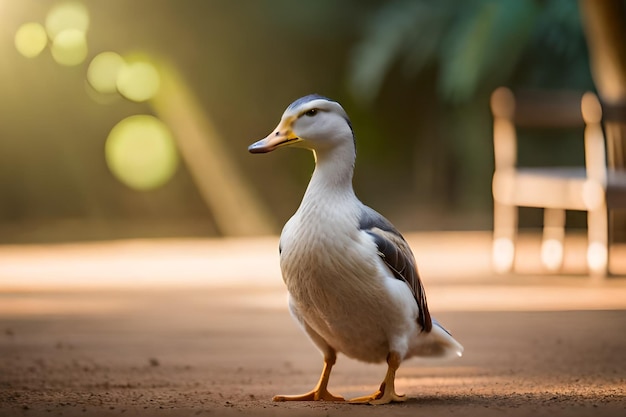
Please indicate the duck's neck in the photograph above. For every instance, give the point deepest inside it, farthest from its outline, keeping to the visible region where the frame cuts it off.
(333, 173)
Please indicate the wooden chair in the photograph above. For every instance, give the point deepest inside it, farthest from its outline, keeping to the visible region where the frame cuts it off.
(594, 187)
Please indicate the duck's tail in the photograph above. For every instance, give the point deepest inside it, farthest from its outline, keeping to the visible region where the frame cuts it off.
(437, 344)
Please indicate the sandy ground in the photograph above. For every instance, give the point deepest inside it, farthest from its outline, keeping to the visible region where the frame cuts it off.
(227, 348)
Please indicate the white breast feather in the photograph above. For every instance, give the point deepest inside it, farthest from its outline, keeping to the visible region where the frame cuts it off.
(341, 287)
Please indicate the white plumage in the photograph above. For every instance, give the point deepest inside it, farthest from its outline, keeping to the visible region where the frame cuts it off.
(351, 277)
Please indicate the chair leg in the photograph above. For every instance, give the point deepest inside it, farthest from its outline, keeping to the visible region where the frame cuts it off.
(504, 234)
(598, 240)
(553, 237)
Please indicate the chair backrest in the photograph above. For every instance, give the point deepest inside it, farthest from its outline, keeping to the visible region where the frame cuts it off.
(539, 109)
(551, 110)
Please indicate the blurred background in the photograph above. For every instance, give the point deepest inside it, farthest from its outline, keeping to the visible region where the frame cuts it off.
(131, 118)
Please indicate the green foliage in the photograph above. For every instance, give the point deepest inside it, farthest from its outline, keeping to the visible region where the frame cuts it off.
(475, 44)
(395, 32)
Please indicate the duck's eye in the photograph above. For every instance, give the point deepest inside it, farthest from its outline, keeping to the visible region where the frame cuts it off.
(311, 113)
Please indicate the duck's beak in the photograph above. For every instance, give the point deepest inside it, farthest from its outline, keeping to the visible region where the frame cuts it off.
(281, 136)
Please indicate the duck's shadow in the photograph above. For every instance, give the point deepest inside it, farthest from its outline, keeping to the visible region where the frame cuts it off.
(456, 400)
(508, 400)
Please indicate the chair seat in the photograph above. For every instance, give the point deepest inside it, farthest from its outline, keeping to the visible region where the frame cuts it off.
(552, 187)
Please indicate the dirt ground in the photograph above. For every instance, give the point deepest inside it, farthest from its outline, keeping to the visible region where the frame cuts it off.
(225, 350)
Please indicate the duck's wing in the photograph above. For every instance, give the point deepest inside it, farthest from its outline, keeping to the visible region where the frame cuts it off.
(397, 255)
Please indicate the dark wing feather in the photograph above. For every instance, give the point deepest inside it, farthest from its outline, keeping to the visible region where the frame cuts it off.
(397, 255)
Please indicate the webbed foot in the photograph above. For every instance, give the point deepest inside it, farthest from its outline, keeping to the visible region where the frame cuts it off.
(314, 395)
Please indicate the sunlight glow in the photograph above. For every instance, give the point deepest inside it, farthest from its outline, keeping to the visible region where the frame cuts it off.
(138, 81)
(140, 151)
(69, 47)
(149, 264)
(31, 39)
(103, 72)
(70, 15)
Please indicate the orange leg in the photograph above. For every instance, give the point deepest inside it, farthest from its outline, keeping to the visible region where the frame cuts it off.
(320, 392)
(387, 392)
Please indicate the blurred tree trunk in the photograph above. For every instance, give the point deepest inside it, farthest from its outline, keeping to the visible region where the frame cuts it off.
(605, 29)
(604, 22)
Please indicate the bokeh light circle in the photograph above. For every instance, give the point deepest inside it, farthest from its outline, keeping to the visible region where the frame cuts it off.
(69, 47)
(30, 39)
(104, 71)
(65, 16)
(597, 256)
(503, 253)
(140, 151)
(138, 81)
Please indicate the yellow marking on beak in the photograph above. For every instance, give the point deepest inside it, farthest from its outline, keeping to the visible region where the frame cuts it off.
(281, 136)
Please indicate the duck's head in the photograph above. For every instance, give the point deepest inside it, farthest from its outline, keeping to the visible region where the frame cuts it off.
(313, 122)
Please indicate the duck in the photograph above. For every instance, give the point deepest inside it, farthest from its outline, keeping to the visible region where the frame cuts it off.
(352, 281)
